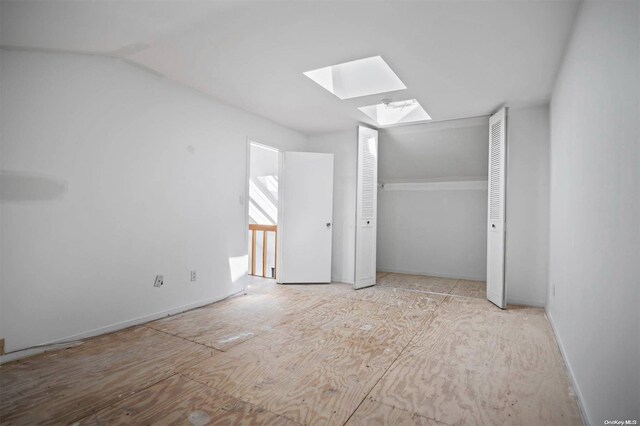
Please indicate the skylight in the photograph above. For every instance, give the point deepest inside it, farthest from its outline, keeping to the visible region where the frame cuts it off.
(369, 76)
(399, 112)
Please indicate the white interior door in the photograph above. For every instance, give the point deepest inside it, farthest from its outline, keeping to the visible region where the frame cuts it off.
(305, 196)
(366, 207)
(496, 209)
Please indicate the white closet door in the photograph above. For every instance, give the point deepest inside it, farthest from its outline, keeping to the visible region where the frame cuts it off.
(496, 209)
(366, 208)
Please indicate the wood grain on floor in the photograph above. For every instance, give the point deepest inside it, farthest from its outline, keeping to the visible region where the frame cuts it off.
(412, 350)
(177, 399)
(482, 366)
(372, 412)
(67, 385)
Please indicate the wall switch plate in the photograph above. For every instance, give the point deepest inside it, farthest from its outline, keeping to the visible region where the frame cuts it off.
(159, 281)
(193, 275)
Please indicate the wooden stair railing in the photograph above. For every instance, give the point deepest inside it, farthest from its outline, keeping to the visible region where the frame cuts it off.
(253, 228)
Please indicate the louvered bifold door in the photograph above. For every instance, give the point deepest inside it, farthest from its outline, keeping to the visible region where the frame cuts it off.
(496, 209)
(366, 207)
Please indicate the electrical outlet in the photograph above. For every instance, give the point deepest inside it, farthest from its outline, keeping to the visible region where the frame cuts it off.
(159, 281)
(193, 275)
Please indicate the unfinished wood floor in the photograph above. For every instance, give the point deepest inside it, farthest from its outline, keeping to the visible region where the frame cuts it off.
(413, 350)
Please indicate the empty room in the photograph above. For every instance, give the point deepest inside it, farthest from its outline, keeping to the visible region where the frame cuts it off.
(320, 212)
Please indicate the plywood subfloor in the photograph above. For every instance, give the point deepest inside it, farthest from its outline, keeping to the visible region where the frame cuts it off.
(413, 350)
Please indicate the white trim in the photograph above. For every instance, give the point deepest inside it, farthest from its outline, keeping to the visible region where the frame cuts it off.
(73, 339)
(524, 302)
(473, 185)
(247, 178)
(572, 377)
(342, 280)
(431, 274)
(280, 221)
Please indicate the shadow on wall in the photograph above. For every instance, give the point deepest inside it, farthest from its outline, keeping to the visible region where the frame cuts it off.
(30, 187)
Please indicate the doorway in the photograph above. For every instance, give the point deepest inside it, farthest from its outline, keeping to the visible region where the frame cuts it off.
(262, 209)
(303, 183)
(432, 204)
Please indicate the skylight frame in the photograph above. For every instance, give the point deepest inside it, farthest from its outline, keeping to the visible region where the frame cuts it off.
(396, 113)
(355, 79)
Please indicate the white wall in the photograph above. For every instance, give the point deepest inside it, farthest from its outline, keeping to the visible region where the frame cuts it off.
(527, 238)
(344, 146)
(432, 212)
(594, 262)
(110, 176)
(454, 150)
(433, 232)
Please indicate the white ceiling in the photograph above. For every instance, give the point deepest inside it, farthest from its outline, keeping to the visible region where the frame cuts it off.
(457, 58)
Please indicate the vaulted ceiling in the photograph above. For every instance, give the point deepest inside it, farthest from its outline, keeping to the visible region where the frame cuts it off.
(457, 58)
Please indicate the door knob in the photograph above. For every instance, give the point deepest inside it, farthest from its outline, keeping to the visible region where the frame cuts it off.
(328, 224)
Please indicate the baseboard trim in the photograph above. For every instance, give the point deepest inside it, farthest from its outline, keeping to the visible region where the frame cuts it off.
(572, 377)
(72, 340)
(431, 274)
(523, 302)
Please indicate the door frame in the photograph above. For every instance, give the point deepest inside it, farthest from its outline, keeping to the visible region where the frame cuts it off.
(250, 141)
